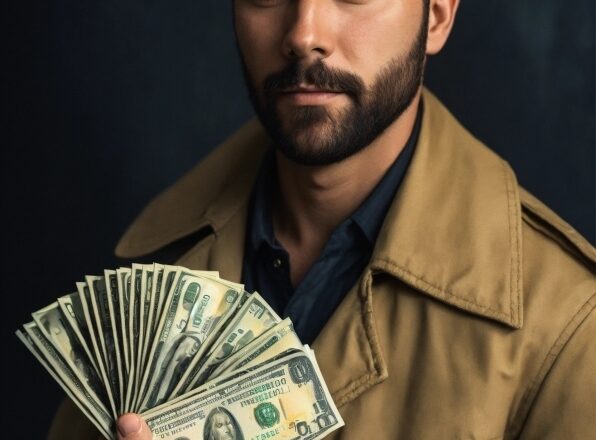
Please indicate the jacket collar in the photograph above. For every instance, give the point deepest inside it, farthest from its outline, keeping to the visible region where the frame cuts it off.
(453, 231)
(209, 195)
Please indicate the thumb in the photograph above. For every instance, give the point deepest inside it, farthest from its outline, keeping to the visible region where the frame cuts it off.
(132, 427)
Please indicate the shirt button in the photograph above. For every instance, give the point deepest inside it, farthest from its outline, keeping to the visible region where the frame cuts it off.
(277, 263)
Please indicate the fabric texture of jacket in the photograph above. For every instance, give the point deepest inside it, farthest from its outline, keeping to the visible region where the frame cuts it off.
(473, 320)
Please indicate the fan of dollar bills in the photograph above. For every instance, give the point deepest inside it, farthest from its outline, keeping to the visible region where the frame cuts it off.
(196, 355)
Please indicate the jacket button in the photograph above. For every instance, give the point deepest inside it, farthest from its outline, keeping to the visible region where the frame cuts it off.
(277, 263)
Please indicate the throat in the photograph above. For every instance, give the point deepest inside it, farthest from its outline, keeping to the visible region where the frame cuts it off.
(303, 237)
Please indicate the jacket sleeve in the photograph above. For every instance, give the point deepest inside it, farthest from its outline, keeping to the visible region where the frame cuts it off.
(565, 406)
(70, 424)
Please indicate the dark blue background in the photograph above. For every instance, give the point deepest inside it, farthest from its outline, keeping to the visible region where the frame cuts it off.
(110, 101)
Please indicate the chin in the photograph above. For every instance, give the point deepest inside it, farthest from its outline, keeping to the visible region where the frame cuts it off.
(312, 143)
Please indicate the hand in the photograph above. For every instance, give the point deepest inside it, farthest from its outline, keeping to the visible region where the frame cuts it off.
(132, 427)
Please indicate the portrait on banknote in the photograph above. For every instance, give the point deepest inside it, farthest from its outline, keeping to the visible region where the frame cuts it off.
(221, 425)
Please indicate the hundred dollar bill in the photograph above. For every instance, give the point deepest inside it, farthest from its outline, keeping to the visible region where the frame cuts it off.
(58, 332)
(222, 379)
(164, 284)
(134, 309)
(123, 280)
(170, 274)
(254, 318)
(284, 400)
(195, 392)
(85, 297)
(100, 424)
(100, 303)
(275, 343)
(157, 289)
(197, 306)
(164, 290)
(111, 278)
(68, 378)
(280, 338)
(142, 287)
(72, 310)
(216, 382)
(153, 289)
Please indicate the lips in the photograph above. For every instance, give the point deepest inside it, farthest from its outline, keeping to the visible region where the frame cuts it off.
(309, 95)
(308, 90)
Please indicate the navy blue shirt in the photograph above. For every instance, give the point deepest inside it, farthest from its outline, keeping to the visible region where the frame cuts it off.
(266, 265)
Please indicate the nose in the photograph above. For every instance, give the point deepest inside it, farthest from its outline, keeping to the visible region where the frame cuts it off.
(308, 30)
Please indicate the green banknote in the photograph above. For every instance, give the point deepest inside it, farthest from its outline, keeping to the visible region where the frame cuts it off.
(286, 399)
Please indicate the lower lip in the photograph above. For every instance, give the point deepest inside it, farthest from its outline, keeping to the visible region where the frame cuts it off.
(310, 98)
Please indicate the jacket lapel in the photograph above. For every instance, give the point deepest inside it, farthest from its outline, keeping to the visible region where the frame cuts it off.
(348, 349)
(209, 195)
(224, 250)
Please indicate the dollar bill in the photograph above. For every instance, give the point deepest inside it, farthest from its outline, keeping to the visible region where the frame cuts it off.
(283, 400)
(111, 277)
(153, 289)
(253, 318)
(281, 338)
(134, 301)
(197, 307)
(85, 297)
(163, 291)
(72, 310)
(166, 284)
(123, 280)
(142, 284)
(275, 343)
(100, 304)
(101, 423)
(55, 328)
(68, 378)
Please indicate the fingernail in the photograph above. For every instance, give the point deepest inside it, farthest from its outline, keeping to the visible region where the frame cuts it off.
(129, 424)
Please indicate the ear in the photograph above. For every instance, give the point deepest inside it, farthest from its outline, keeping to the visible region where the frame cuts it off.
(440, 21)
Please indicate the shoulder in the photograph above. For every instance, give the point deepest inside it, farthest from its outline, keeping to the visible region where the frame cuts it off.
(552, 228)
(558, 273)
(557, 337)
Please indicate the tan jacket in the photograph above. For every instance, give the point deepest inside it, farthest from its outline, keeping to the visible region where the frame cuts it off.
(473, 320)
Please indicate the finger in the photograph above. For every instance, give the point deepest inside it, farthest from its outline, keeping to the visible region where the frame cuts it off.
(132, 427)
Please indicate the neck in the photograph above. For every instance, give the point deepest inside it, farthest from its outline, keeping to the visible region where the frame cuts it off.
(314, 200)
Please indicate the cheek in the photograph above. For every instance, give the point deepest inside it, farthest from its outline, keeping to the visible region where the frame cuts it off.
(377, 37)
(259, 41)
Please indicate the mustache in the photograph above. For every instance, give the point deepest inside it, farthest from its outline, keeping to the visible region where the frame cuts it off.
(316, 74)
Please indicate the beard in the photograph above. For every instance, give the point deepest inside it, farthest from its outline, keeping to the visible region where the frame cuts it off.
(313, 135)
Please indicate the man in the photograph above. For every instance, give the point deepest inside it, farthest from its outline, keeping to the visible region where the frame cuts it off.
(442, 300)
